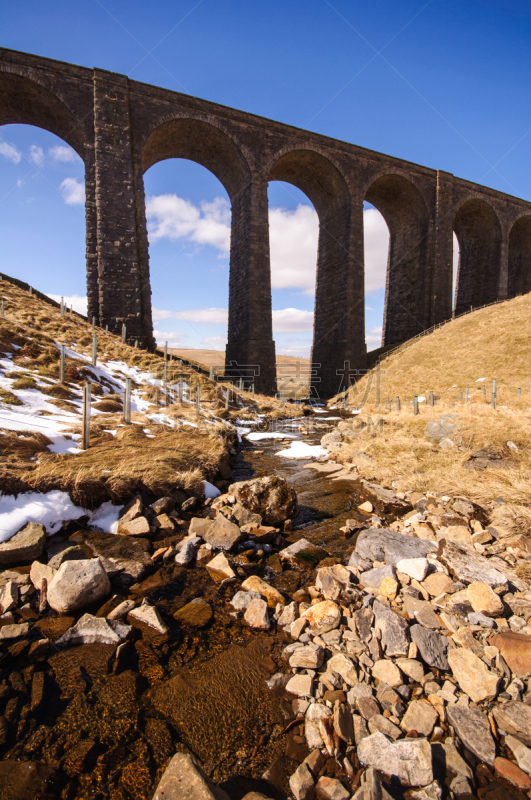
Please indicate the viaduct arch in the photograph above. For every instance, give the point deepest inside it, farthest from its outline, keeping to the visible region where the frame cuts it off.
(121, 127)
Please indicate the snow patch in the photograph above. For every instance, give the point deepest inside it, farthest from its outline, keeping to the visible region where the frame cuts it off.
(299, 449)
(210, 490)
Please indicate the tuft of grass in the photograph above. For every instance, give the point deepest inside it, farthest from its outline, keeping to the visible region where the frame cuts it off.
(131, 462)
(27, 382)
(9, 398)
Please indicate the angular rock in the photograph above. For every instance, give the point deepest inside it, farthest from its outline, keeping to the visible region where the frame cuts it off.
(256, 615)
(422, 611)
(8, 632)
(219, 569)
(420, 717)
(183, 779)
(448, 761)
(315, 712)
(416, 568)
(432, 646)
(512, 774)
(378, 544)
(197, 613)
(132, 509)
(409, 759)
(472, 675)
(513, 718)
(289, 614)
(301, 685)
(516, 650)
(302, 784)
(364, 619)
(241, 600)
(387, 672)
(384, 500)
(437, 583)
(367, 706)
(74, 553)
(198, 526)
(393, 628)
(222, 534)
(309, 657)
(297, 552)
(164, 505)
(344, 667)
(77, 584)
(467, 566)
(269, 497)
(39, 571)
(372, 579)
(323, 617)
(484, 600)
(187, 549)
(432, 792)
(256, 584)
(121, 610)
(331, 581)
(164, 523)
(8, 597)
(135, 527)
(26, 545)
(95, 630)
(343, 722)
(411, 667)
(330, 789)
(149, 615)
(380, 724)
(473, 728)
(520, 752)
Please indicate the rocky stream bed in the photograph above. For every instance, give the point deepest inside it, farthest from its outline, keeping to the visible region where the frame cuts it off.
(304, 635)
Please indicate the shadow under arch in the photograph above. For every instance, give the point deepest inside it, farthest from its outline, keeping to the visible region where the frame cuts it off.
(406, 307)
(479, 234)
(339, 318)
(24, 101)
(520, 257)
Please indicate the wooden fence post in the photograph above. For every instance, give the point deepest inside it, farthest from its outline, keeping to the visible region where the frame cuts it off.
(94, 350)
(398, 404)
(493, 394)
(127, 401)
(416, 405)
(124, 332)
(86, 416)
(62, 366)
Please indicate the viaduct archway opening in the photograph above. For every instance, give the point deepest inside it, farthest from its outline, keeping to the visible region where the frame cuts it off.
(520, 257)
(339, 330)
(406, 308)
(250, 348)
(479, 235)
(188, 221)
(43, 166)
(375, 254)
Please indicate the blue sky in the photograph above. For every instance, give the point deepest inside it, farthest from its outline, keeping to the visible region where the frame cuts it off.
(442, 83)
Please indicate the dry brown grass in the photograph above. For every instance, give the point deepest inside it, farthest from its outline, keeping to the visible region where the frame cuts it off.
(404, 456)
(493, 342)
(511, 519)
(113, 468)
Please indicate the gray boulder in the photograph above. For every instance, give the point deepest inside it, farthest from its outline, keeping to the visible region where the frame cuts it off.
(270, 497)
(379, 544)
(439, 429)
(26, 545)
(95, 630)
(76, 584)
(409, 759)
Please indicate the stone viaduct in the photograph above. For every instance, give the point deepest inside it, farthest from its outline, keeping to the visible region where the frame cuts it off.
(121, 127)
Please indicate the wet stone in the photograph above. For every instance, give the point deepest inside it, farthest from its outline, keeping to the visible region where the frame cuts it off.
(26, 545)
(197, 613)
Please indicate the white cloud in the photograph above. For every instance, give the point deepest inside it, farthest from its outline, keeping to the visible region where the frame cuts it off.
(293, 237)
(63, 153)
(376, 242)
(36, 155)
(172, 217)
(73, 191)
(10, 152)
(174, 338)
(206, 316)
(373, 338)
(78, 302)
(288, 320)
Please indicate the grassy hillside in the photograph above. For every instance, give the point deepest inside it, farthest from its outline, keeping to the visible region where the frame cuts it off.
(468, 352)
(168, 445)
(494, 342)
